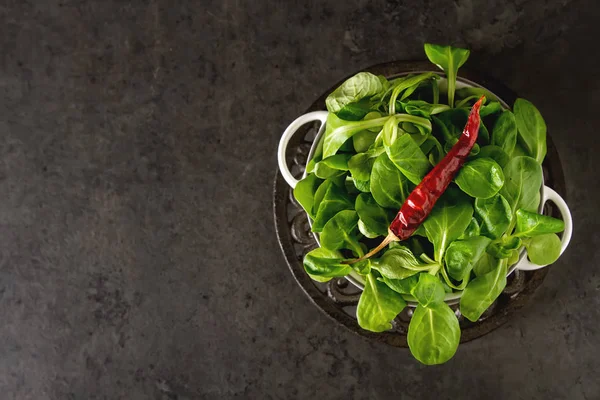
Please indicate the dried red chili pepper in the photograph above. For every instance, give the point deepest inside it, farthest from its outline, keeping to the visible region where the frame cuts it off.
(421, 200)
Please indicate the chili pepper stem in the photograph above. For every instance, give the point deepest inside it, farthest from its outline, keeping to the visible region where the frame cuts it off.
(389, 239)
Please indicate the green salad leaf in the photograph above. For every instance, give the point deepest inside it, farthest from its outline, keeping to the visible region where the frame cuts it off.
(504, 247)
(532, 129)
(543, 249)
(375, 218)
(523, 179)
(473, 229)
(481, 178)
(450, 59)
(332, 166)
(341, 232)
(363, 140)
(485, 264)
(361, 164)
(399, 263)
(423, 109)
(409, 158)
(495, 214)
(333, 200)
(429, 290)
(323, 264)
(495, 153)
(305, 192)
(504, 134)
(462, 255)
(403, 286)
(378, 305)
(448, 220)
(433, 333)
(360, 86)
(482, 291)
(388, 185)
(366, 231)
(531, 224)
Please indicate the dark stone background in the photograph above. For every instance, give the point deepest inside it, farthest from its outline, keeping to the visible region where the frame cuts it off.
(138, 258)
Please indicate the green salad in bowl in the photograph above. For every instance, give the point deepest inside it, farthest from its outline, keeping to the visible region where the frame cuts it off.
(426, 191)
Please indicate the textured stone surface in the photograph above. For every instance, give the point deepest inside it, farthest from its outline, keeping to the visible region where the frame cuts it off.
(138, 257)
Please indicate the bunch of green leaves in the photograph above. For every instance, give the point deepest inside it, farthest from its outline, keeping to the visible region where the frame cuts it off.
(381, 138)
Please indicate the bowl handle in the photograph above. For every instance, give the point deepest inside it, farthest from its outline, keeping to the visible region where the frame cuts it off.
(287, 135)
(549, 194)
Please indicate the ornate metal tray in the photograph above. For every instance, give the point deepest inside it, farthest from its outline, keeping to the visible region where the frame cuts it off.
(338, 298)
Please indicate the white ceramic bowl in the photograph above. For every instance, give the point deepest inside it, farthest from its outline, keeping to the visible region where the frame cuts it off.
(547, 193)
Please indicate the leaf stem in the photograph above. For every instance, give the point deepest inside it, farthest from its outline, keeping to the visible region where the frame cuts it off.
(466, 100)
(511, 226)
(451, 86)
(425, 257)
(433, 271)
(436, 92)
(462, 286)
(424, 267)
